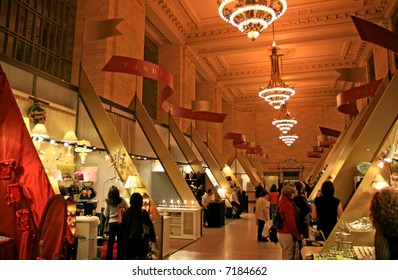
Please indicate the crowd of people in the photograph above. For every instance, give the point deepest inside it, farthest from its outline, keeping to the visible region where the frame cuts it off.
(135, 231)
(296, 213)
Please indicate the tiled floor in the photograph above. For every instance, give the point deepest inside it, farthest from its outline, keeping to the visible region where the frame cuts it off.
(237, 240)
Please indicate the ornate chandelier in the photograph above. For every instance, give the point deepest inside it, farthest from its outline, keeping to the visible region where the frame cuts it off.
(288, 139)
(251, 16)
(284, 122)
(277, 92)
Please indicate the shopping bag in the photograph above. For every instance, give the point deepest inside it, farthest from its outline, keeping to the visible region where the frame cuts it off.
(266, 228)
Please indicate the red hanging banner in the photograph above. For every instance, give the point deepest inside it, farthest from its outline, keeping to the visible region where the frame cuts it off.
(128, 65)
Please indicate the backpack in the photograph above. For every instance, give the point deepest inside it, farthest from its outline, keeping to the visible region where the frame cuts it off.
(139, 231)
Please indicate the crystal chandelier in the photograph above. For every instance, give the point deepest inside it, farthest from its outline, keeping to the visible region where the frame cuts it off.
(288, 139)
(277, 92)
(251, 16)
(284, 122)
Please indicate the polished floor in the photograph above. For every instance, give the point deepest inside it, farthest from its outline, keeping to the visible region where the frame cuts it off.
(237, 240)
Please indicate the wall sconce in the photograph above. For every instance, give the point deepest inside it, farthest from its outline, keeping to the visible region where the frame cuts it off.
(132, 182)
(83, 148)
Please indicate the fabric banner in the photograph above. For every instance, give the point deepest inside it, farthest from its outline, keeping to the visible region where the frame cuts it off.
(376, 34)
(345, 100)
(356, 75)
(239, 140)
(97, 30)
(313, 154)
(128, 65)
(329, 132)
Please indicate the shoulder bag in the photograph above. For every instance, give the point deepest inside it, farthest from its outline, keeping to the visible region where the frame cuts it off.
(277, 220)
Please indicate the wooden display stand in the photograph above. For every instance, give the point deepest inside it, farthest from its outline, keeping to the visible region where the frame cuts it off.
(185, 223)
(86, 230)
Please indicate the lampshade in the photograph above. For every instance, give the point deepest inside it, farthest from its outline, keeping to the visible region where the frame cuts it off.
(40, 131)
(200, 106)
(70, 137)
(379, 182)
(390, 154)
(83, 146)
(26, 121)
(132, 182)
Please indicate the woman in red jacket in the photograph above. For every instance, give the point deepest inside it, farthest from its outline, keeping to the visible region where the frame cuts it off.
(288, 234)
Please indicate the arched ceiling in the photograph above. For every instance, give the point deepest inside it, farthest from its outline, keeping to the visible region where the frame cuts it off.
(316, 38)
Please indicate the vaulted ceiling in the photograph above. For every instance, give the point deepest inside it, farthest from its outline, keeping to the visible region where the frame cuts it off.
(315, 37)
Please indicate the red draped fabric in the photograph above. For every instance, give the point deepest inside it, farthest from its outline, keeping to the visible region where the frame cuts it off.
(20, 219)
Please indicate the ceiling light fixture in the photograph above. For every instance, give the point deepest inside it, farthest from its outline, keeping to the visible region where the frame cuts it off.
(284, 122)
(288, 139)
(277, 92)
(251, 16)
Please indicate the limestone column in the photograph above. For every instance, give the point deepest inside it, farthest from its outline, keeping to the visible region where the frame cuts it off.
(117, 87)
(181, 62)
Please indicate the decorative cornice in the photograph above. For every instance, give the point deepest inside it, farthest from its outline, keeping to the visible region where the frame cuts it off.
(190, 55)
(142, 3)
(210, 65)
(173, 18)
(374, 10)
(292, 69)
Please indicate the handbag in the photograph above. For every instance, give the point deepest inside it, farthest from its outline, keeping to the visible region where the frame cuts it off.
(120, 212)
(273, 237)
(120, 215)
(145, 230)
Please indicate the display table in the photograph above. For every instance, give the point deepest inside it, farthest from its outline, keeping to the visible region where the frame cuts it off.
(86, 231)
(166, 236)
(184, 222)
(7, 249)
(216, 214)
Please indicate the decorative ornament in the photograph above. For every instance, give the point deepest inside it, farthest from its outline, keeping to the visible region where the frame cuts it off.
(37, 114)
(6, 167)
(363, 167)
(14, 194)
(23, 219)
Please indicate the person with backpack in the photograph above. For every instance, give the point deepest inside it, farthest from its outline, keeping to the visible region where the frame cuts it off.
(137, 231)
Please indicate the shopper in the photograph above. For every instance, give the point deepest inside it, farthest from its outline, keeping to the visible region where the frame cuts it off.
(137, 231)
(326, 209)
(383, 214)
(273, 197)
(288, 234)
(113, 203)
(207, 198)
(262, 216)
(235, 203)
(304, 209)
